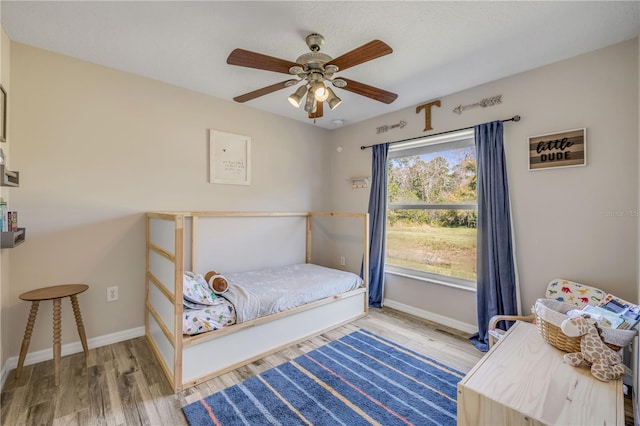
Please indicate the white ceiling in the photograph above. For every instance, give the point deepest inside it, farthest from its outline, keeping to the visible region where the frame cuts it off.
(439, 47)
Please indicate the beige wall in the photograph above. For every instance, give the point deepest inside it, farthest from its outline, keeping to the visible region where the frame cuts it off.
(562, 218)
(96, 148)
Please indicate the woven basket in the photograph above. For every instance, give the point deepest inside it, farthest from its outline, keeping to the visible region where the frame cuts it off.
(549, 315)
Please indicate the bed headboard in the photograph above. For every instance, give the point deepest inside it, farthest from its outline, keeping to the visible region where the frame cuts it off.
(235, 244)
(242, 241)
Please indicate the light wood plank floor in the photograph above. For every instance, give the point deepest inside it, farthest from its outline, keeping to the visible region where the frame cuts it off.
(121, 384)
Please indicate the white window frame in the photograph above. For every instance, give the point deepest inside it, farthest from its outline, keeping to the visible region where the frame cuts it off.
(420, 144)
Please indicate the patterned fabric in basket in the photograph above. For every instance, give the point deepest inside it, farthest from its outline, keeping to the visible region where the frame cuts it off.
(574, 293)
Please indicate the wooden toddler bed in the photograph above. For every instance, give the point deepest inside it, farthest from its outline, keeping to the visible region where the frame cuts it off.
(233, 242)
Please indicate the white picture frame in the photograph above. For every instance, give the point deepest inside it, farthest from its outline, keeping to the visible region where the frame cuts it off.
(229, 158)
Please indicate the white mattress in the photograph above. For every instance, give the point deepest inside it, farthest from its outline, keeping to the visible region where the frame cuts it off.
(267, 291)
(258, 293)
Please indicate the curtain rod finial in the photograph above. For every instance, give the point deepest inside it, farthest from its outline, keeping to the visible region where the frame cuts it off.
(516, 118)
(363, 147)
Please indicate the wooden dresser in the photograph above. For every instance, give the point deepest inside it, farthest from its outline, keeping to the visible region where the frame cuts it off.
(522, 380)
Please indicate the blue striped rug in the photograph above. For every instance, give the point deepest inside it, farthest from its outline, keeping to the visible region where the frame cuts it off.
(359, 379)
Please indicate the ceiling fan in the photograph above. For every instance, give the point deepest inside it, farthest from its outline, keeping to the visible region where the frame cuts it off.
(315, 69)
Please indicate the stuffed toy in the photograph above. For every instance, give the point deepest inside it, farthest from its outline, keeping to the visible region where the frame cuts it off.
(216, 282)
(606, 364)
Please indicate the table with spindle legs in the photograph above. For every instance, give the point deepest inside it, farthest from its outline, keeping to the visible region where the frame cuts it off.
(55, 293)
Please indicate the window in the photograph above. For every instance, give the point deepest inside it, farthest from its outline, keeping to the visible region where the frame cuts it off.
(432, 209)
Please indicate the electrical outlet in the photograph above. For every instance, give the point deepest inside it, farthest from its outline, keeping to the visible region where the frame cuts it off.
(342, 261)
(112, 294)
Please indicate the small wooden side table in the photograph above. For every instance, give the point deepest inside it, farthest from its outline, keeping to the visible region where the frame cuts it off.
(55, 293)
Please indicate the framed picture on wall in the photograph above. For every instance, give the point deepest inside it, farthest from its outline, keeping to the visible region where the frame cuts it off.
(3, 114)
(229, 158)
(567, 148)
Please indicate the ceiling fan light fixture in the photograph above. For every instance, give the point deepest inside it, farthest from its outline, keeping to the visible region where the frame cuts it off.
(320, 92)
(296, 98)
(332, 99)
(310, 105)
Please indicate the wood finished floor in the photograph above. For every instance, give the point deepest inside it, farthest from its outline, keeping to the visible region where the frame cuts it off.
(121, 384)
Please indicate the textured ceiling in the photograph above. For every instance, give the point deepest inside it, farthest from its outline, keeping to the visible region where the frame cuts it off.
(439, 47)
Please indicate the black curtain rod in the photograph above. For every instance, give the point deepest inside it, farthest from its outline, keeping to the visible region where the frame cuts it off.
(514, 118)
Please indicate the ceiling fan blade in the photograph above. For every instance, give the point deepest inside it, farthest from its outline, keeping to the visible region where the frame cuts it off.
(261, 92)
(369, 91)
(372, 50)
(245, 58)
(318, 112)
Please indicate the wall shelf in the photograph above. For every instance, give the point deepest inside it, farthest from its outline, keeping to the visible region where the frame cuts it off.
(12, 239)
(9, 178)
(360, 182)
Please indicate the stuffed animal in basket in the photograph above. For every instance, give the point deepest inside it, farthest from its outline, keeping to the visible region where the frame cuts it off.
(217, 282)
(606, 364)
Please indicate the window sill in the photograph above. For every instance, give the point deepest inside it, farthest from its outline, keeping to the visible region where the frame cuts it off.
(429, 280)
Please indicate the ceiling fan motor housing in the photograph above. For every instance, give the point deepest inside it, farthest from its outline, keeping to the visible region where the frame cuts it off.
(313, 60)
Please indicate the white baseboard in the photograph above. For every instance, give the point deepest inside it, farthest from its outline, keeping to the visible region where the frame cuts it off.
(440, 319)
(70, 348)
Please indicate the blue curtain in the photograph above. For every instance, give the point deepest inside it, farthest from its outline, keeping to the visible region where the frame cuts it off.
(377, 223)
(496, 276)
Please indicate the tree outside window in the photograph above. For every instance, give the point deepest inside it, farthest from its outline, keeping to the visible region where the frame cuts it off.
(432, 210)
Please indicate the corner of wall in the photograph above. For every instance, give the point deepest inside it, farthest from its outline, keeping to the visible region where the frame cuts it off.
(5, 50)
(636, 351)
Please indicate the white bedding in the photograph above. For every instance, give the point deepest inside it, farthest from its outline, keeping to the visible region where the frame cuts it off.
(267, 291)
(258, 293)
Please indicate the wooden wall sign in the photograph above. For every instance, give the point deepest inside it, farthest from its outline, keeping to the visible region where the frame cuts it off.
(427, 113)
(561, 149)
